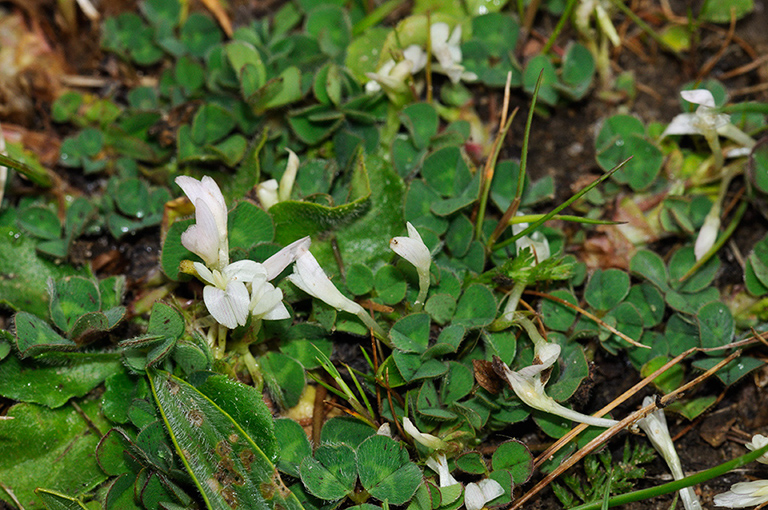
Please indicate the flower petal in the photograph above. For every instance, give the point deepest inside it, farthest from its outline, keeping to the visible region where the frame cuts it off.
(229, 307)
(244, 271)
(699, 96)
(412, 249)
(474, 499)
(267, 193)
(683, 124)
(427, 440)
(277, 263)
(491, 489)
(289, 177)
(310, 277)
(203, 238)
(744, 494)
(208, 191)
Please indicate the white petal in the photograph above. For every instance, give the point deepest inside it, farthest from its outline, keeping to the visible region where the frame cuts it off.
(267, 193)
(244, 271)
(438, 34)
(699, 96)
(277, 263)
(412, 249)
(229, 307)
(491, 489)
(204, 273)
(758, 441)
(707, 235)
(683, 124)
(744, 494)
(208, 191)
(427, 440)
(385, 430)
(415, 54)
(267, 303)
(439, 464)
(289, 176)
(310, 277)
(474, 499)
(204, 237)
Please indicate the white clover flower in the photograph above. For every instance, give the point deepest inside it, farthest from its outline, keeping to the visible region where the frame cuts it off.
(207, 238)
(277, 263)
(706, 121)
(427, 440)
(446, 47)
(226, 295)
(476, 495)
(266, 301)
(708, 233)
(310, 277)
(528, 386)
(744, 494)
(439, 464)
(270, 193)
(537, 242)
(413, 249)
(758, 441)
(655, 427)
(394, 75)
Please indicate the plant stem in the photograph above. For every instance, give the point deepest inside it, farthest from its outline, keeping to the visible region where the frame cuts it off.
(559, 27)
(533, 226)
(688, 481)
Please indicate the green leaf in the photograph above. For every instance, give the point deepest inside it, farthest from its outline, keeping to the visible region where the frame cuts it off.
(214, 447)
(345, 430)
(390, 285)
(40, 222)
(41, 447)
(472, 463)
(649, 302)
(34, 336)
(332, 473)
(721, 11)
(606, 288)
(294, 446)
(331, 26)
(547, 91)
(621, 137)
(457, 383)
(359, 279)
(573, 369)
(577, 72)
(692, 409)
(24, 286)
(514, 457)
(72, 297)
(733, 371)
(476, 308)
(681, 334)
(716, 325)
(446, 171)
(245, 405)
(411, 333)
(669, 380)
(648, 265)
(53, 386)
(199, 34)
(173, 251)
(440, 308)
(385, 470)
(421, 121)
(211, 123)
(284, 377)
(556, 315)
